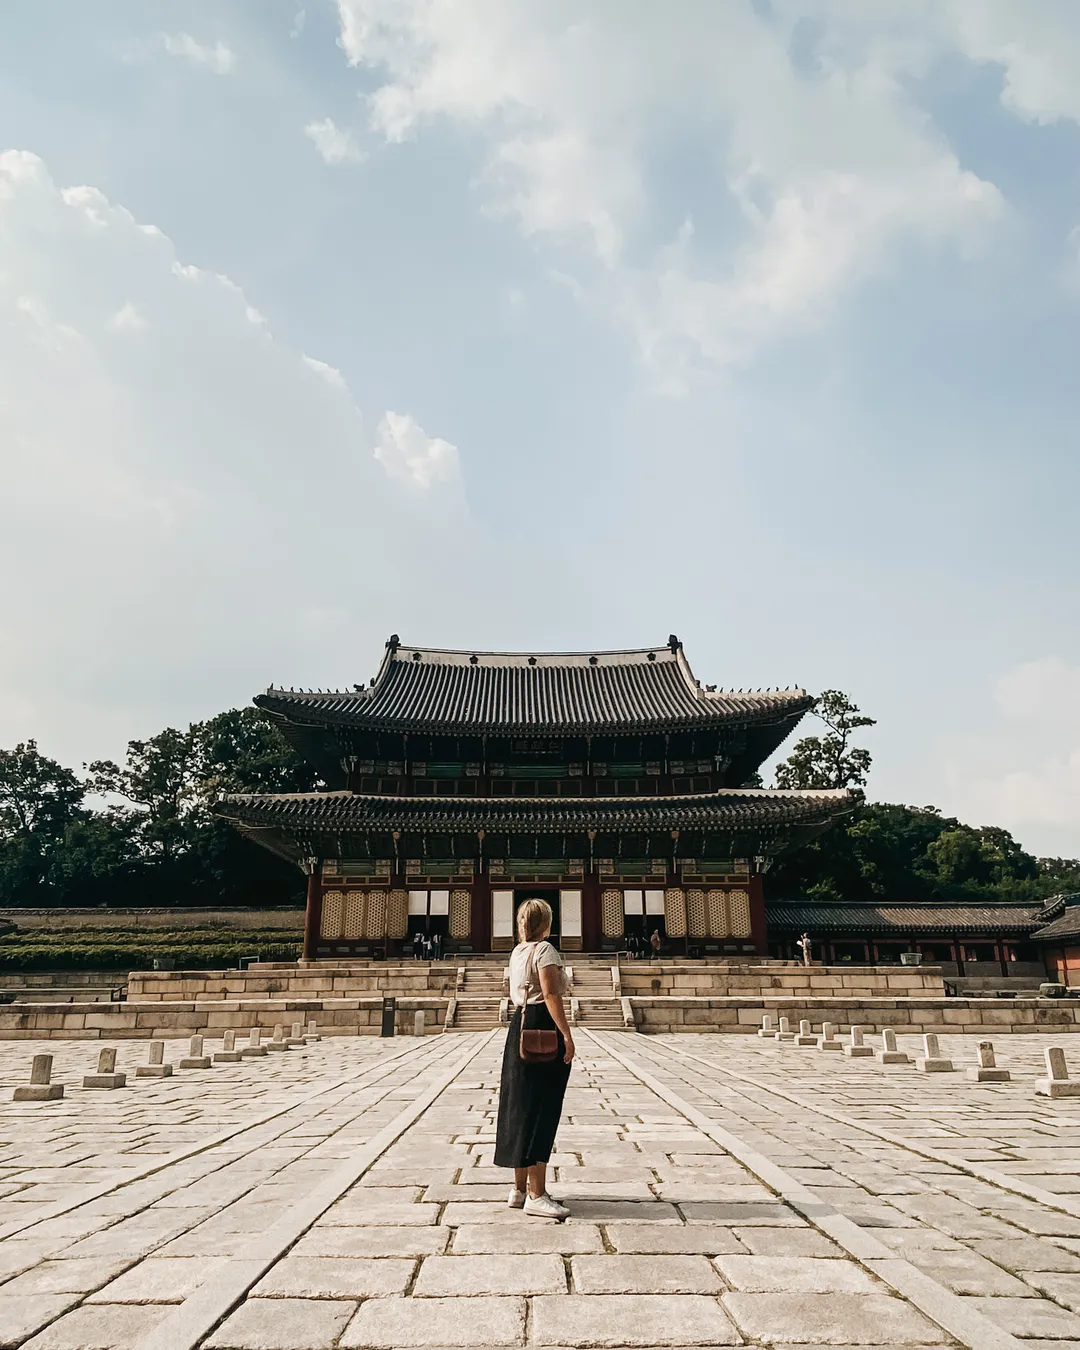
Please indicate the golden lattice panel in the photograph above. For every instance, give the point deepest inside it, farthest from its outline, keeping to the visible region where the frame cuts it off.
(352, 925)
(718, 924)
(333, 904)
(739, 913)
(611, 908)
(460, 914)
(397, 914)
(697, 919)
(375, 921)
(675, 912)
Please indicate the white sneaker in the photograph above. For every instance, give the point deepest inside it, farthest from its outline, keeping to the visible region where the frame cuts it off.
(545, 1207)
(516, 1199)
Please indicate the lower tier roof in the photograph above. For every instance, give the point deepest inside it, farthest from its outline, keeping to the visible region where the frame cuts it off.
(723, 809)
(737, 822)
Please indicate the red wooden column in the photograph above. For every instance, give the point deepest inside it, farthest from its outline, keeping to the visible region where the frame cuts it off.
(758, 926)
(592, 919)
(313, 913)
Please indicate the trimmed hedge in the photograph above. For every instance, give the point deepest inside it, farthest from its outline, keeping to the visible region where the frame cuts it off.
(90, 949)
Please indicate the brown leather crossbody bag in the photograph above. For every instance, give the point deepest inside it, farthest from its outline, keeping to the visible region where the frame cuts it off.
(536, 1046)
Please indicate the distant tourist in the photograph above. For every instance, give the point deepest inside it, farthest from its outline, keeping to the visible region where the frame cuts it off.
(417, 945)
(436, 946)
(531, 1091)
(654, 943)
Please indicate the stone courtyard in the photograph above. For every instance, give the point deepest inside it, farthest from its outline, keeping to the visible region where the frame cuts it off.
(725, 1190)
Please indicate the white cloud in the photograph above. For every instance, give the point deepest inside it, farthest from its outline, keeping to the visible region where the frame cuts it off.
(334, 144)
(409, 454)
(1025, 772)
(325, 372)
(219, 58)
(175, 506)
(821, 167)
(127, 319)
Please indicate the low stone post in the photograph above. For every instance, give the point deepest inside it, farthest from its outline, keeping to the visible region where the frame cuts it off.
(767, 1030)
(254, 1048)
(827, 1040)
(889, 1054)
(856, 1047)
(195, 1059)
(806, 1034)
(312, 1033)
(931, 1059)
(228, 1054)
(155, 1066)
(419, 1022)
(106, 1076)
(41, 1088)
(297, 1036)
(1057, 1082)
(986, 1070)
(278, 1041)
(785, 1033)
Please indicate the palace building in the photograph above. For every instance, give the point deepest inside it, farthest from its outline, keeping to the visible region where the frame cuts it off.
(459, 784)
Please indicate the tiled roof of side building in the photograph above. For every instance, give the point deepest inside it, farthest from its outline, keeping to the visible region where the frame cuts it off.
(1063, 913)
(900, 920)
(422, 687)
(727, 808)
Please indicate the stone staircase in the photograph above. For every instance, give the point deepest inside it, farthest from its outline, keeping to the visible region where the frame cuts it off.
(475, 1014)
(596, 1000)
(480, 990)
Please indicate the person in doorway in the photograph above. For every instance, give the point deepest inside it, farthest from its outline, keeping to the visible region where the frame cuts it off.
(436, 946)
(654, 943)
(417, 945)
(531, 1094)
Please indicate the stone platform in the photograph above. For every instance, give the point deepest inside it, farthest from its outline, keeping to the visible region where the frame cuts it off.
(723, 1192)
(702, 978)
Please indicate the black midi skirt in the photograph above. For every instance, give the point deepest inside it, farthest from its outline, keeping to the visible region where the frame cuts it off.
(530, 1096)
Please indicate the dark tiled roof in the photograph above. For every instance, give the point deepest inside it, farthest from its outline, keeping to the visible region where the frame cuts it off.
(421, 688)
(726, 809)
(901, 919)
(1063, 911)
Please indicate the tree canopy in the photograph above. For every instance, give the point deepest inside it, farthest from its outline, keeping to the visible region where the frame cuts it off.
(141, 832)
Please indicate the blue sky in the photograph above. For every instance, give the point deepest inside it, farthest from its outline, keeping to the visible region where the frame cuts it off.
(511, 326)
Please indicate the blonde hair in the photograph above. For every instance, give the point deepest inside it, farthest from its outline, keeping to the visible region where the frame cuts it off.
(533, 920)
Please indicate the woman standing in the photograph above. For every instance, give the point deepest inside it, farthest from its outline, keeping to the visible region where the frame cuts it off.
(531, 1094)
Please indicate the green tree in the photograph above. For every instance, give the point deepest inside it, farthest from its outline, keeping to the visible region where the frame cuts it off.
(39, 800)
(829, 761)
(167, 786)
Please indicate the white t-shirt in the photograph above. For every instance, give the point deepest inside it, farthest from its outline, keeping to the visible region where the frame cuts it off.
(525, 962)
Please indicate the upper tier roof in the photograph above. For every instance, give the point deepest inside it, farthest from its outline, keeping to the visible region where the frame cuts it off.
(426, 689)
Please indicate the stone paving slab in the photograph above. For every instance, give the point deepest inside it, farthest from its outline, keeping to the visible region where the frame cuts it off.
(958, 1193)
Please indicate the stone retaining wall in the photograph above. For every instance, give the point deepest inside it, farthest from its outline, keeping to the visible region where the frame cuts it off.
(918, 1015)
(290, 981)
(133, 1021)
(363, 1016)
(768, 979)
